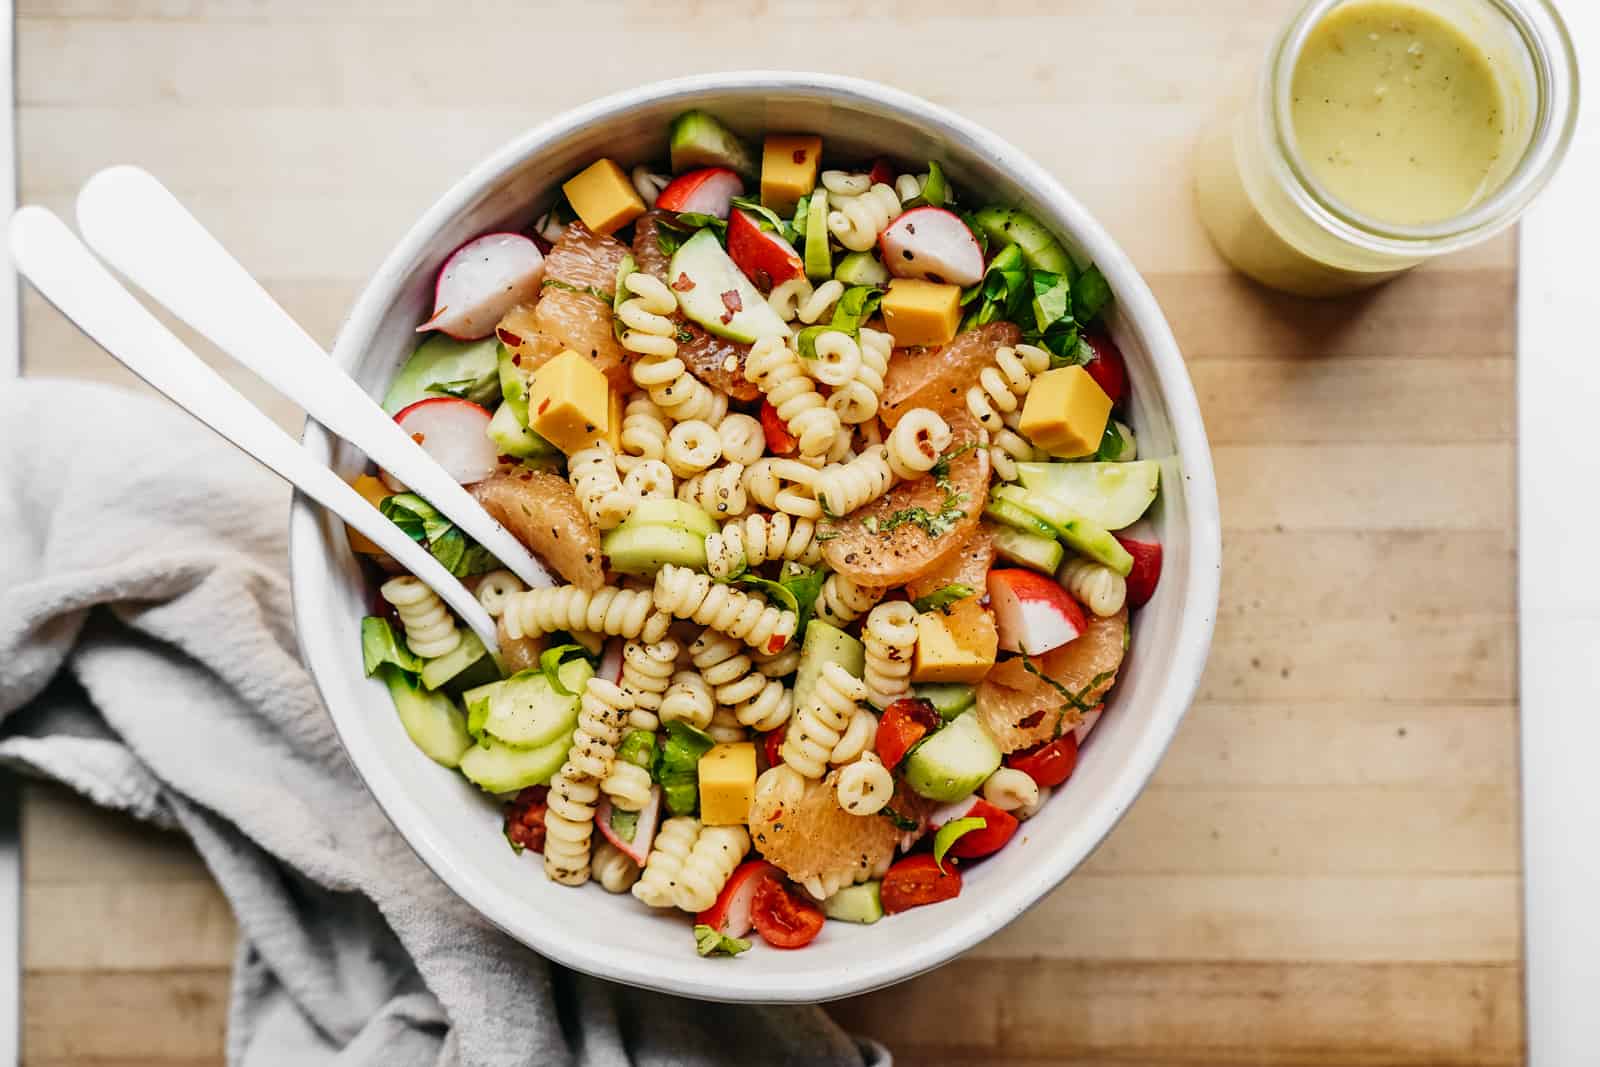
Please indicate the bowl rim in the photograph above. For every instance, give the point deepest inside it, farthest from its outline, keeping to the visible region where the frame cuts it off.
(1191, 644)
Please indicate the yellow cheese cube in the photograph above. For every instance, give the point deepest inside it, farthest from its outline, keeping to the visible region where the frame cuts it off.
(603, 197)
(727, 784)
(375, 492)
(954, 648)
(569, 402)
(788, 169)
(1065, 413)
(921, 313)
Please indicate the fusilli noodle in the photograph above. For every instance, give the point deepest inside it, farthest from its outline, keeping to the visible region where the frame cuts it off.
(719, 492)
(857, 400)
(1010, 789)
(796, 298)
(1002, 386)
(682, 593)
(786, 485)
(649, 479)
(843, 600)
(494, 588)
(692, 446)
(775, 368)
(725, 726)
(648, 184)
(756, 700)
(608, 610)
(890, 636)
(844, 487)
(569, 819)
(838, 358)
(860, 735)
(777, 664)
(708, 866)
(865, 786)
(818, 725)
(916, 443)
(646, 673)
(644, 431)
(430, 628)
(756, 539)
(593, 474)
(857, 220)
(650, 334)
(628, 786)
(613, 869)
(672, 845)
(688, 699)
(1098, 587)
(743, 440)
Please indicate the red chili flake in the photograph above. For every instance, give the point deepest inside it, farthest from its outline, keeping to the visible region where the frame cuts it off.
(543, 404)
(684, 283)
(516, 359)
(507, 338)
(1032, 720)
(509, 461)
(418, 438)
(776, 642)
(799, 155)
(731, 301)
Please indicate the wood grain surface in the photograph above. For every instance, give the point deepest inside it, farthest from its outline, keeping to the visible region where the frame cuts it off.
(1325, 870)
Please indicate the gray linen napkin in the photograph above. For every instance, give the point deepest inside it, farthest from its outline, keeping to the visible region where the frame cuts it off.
(147, 661)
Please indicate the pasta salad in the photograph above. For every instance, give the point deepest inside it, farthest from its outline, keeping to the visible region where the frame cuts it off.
(832, 463)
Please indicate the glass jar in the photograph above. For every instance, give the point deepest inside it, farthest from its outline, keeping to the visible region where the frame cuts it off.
(1273, 220)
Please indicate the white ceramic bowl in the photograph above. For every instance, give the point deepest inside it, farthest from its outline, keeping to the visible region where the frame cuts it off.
(456, 829)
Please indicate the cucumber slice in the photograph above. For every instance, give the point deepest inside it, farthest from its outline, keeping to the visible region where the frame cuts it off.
(824, 644)
(500, 768)
(527, 712)
(431, 720)
(513, 384)
(819, 259)
(1009, 226)
(954, 761)
(654, 511)
(717, 284)
(512, 438)
(1030, 550)
(949, 699)
(466, 665)
(644, 549)
(855, 904)
(1110, 495)
(1014, 517)
(698, 140)
(861, 268)
(443, 366)
(476, 701)
(1079, 533)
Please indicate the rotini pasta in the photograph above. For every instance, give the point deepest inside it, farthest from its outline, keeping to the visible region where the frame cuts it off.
(494, 588)
(857, 220)
(755, 700)
(785, 485)
(673, 843)
(1008, 447)
(431, 630)
(649, 479)
(719, 492)
(865, 786)
(843, 600)
(594, 478)
(818, 726)
(838, 358)
(890, 636)
(1002, 386)
(646, 673)
(684, 594)
(860, 735)
(644, 431)
(608, 610)
(688, 699)
(706, 869)
(1098, 587)
(569, 819)
(725, 727)
(777, 664)
(796, 299)
(648, 185)
(916, 443)
(692, 447)
(759, 538)
(844, 487)
(775, 368)
(613, 869)
(743, 440)
(857, 400)
(1010, 789)
(650, 334)
(628, 785)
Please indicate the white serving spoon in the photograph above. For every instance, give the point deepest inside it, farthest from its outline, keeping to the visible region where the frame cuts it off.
(135, 224)
(69, 276)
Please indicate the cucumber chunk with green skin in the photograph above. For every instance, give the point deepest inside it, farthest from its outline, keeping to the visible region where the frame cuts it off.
(527, 712)
(954, 761)
(949, 699)
(818, 257)
(466, 665)
(655, 511)
(1010, 516)
(1110, 495)
(855, 904)
(443, 366)
(824, 644)
(645, 549)
(717, 295)
(698, 140)
(1079, 533)
(861, 268)
(512, 438)
(513, 384)
(500, 768)
(1042, 553)
(1040, 249)
(431, 720)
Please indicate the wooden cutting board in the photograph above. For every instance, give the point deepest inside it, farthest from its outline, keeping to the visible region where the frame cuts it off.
(1325, 869)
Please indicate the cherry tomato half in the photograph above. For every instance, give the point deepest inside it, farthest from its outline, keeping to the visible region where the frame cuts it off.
(782, 919)
(1146, 569)
(917, 880)
(1107, 367)
(882, 172)
(780, 442)
(904, 723)
(1048, 764)
(997, 830)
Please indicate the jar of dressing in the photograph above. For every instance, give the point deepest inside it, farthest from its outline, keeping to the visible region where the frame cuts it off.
(1383, 133)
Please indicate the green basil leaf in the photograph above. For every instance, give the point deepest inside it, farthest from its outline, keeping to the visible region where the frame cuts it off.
(769, 219)
(774, 590)
(951, 832)
(855, 307)
(935, 190)
(550, 665)
(708, 942)
(380, 644)
(694, 220)
(1090, 295)
(1052, 299)
(904, 823)
(940, 599)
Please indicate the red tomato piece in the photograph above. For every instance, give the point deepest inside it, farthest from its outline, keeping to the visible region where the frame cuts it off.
(1048, 764)
(904, 723)
(1146, 569)
(732, 914)
(781, 918)
(882, 172)
(917, 880)
(764, 257)
(780, 442)
(771, 743)
(524, 826)
(1107, 367)
(998, 826)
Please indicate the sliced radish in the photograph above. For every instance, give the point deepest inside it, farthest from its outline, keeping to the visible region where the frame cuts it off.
(644, 831)
(1090, 717)
(731, 914)
(1032, 612)
(956, 809)
(709, 191)
(611, 661)
(481, 281)
(932, 243)
(455, 433)
(766, 258)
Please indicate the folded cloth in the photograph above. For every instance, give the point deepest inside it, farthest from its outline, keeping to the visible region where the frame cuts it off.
(147, 661)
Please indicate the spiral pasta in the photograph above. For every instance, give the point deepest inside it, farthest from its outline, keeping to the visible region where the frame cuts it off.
(844, 487)
(1002, 385)
(650, 334)
(775, 368)
(612, 868)
(755, 700)
(865, 786)
(890, 636)
(608, 610)
(682, 593)
(725, 727)
(1008, 447)
(743, 440)
(787, 485)
(648, 185)
(494, 588)
(842, 600)
(1098, 587)
(692, 446)
(628, 785)
(646, 673)
(818, 725)
(857, 220)
(673, 843)
(569, 819)
(838, 358)
(777, 664)
(649, 479)
(430, 628)
(709, 865)
(1010, 789)
(796, 299)
(593, 474)
(719, 492)
(857, 400)
(860, 735)
(916, 443)
(644, 431)
(756, 539)
(688, 699)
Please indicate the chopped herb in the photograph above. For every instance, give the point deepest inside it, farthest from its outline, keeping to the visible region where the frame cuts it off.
(1078, 700)
(951, 832)
(694, 220)
(870, 524)
(708, 942)
(684, 335)
(901, 822)
(940, 599)
(423, 523)
(592, 290)
(1090, 295)
(550, 666)
(380, 644)
(768, 218)
(930, 524)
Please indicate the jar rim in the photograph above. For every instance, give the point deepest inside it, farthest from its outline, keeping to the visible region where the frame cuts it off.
(1549, 51)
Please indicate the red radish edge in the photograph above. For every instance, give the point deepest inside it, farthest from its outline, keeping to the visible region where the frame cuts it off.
(764, 257)
(644, 831)
(1033, 613)
(611, 661)
(708, 191)
(732, 913)
(455, 433)
(504, 292)
(943, 250)
(1090, 717)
